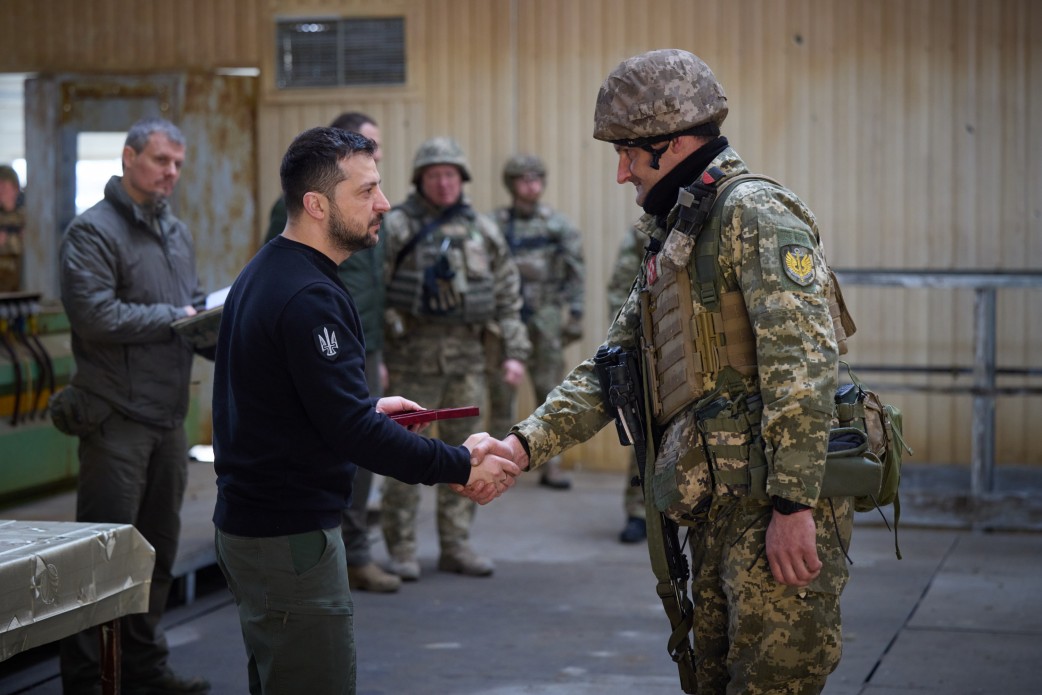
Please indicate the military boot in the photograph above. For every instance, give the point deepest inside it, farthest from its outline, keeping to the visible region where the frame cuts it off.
(552, 477)
(369, 577)
(462, 560)
(635, 531)
(405, 566)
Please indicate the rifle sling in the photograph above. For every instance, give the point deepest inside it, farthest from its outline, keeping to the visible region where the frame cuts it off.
(677, 605)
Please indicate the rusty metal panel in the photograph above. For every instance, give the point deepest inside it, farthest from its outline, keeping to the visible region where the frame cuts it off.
(218, 188)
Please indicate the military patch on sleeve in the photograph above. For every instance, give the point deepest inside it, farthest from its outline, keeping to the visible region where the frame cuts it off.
(798, 262)
(326, 342)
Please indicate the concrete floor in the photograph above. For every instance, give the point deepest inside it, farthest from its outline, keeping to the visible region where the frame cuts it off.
(571, 611)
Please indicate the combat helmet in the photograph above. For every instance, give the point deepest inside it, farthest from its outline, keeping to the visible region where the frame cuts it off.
(519, 165)
(658, 94)
(439, 150)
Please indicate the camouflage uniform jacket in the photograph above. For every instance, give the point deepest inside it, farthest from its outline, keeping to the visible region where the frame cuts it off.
(11, 224)
(626, 268)
(548, 252)
(796, 350)
(430, 345)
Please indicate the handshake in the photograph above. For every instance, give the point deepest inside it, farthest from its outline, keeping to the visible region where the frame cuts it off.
(494, 466)
(494, 463)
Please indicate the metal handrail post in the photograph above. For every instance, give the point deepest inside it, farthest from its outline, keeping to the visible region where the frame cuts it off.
(982, 466)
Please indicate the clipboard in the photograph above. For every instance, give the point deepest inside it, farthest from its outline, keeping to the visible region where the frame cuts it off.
(201, 329)
(416, 417)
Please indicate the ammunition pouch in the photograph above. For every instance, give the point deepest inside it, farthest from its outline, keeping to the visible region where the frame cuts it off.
(76, 412)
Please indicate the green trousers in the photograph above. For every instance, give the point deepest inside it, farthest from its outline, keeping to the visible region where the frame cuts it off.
(295, 610)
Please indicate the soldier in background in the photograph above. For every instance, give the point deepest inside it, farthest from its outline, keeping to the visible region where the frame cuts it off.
(362, 275)
(623, 275)
(12, 222)
(548, 252)
(449, 275)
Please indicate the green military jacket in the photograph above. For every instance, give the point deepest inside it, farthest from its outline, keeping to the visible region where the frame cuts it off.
(796, 350)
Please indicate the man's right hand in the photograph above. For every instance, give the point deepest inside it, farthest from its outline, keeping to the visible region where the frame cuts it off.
(491, 472)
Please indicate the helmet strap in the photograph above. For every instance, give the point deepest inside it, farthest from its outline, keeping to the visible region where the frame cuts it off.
(656, 155)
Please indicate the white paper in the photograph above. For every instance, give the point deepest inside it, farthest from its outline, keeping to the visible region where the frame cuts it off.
(217, 298)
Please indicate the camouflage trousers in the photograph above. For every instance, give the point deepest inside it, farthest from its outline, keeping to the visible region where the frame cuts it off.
(632, 496)
(400, 502)
(545, 370)
(753, 635)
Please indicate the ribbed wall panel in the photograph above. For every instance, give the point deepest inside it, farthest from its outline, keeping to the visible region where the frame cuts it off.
(911, 128)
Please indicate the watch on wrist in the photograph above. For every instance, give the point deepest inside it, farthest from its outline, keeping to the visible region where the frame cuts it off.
(786, 507)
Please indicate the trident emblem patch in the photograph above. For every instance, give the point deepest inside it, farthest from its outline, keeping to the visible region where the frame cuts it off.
(325, 340)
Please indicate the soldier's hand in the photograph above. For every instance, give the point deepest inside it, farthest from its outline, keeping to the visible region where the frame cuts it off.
(491, 473)
(513, 372)
(792, 549)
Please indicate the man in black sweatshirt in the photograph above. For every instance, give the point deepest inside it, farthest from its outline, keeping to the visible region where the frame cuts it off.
(293, 416)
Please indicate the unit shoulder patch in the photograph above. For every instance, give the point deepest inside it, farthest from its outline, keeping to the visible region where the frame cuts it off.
(326, 341)
(798, 262)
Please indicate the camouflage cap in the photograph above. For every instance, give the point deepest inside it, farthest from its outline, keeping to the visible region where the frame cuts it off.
(521, 164)
(656, 94)
(439, 150)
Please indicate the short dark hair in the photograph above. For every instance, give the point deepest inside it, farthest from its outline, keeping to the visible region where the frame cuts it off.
(7, 173)
(311, 163)
(140, 132)
(351, 121)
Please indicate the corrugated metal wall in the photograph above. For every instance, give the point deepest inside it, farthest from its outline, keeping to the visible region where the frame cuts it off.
(911, 128)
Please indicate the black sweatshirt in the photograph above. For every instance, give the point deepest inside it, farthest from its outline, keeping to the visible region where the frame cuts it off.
(291, 411)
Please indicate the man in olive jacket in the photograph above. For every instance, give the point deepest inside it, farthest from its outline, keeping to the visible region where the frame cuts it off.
(127, 272)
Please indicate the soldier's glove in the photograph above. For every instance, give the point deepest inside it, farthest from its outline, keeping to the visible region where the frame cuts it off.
(439, 294)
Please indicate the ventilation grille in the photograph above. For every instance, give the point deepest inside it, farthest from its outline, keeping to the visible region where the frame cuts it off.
(340, 52)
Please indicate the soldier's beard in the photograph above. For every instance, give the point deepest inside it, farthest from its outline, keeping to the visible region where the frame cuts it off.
(349, 237)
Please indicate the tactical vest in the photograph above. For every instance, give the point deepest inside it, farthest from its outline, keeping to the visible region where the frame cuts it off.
(464, 247)
(686, 346)
(538, 257)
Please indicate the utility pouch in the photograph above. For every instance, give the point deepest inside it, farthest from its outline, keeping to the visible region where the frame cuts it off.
(681, 484)
(851, 469)
(76, 412)
(730, 432)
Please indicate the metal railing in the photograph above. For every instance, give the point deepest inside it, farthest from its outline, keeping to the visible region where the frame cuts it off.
(985, 388)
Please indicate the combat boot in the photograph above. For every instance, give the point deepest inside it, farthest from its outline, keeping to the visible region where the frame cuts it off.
(552, 477)
(405, 566)
(369, 577)
(635, 531)
(462, 560)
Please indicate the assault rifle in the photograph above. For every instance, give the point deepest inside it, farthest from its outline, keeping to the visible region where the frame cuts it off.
(622, 387)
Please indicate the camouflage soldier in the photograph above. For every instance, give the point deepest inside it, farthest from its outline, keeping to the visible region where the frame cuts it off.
(449, 276)
(741, 366)
(548, 252)
(12, 222)
(623, 275)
